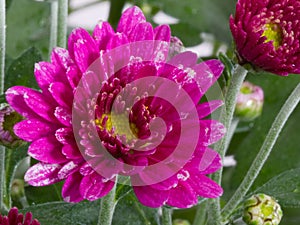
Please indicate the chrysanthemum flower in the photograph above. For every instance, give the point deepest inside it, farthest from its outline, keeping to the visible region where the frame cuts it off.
(97, 116)
(267, 34)
(16, 218)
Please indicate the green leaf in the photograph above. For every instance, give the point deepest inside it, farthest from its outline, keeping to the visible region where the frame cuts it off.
(123, 189)
(61, 213)
(40, 195)
(211, 16)
(12, 160)
(20, 71)
(2, 99)
(193, 37)
(229, 67)
(284, 187)
(8, 3)
(130, 212)
(28, 24)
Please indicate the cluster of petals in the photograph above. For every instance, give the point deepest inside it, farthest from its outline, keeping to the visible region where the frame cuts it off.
(49, 124)
(266, 34)
(16, 218)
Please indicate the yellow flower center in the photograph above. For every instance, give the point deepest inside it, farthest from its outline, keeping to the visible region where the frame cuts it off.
(119, 125)
(273, 33)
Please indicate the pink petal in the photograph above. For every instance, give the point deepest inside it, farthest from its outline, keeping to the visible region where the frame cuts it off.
(205, 109)
(14, 97)
(39, 104)
(82, 48)
(211, 131)
(47, 149)
(45, 73)
(71, 152)
(73, 75)
(94, 186)
(61, 59)
(117, 40)
(62, 94)
(63, 116)
(204, 186)
(184, 59)
(205, 161)
(32, 129)
(151, 197)
(70, 190)
(207, 73)
(42, 174)
(142, 32)
(102, 33)
(67, 170)
(12, 216)
(129, 19)
(210, 162)
(182, 196)
(166, 184)
(162, 33)
(65, 136)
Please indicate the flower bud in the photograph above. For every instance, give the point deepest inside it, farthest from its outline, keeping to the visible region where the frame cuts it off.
(8, 118)
(181, 222)
(261, 209)
(17, 189)
(176, 47)
(249, 102)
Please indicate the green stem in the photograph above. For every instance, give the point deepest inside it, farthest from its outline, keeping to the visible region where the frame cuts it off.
(2, 176)
(226, 118)
(71, 10)
(115, 11)
(62, 23)
(201, 214)
(107, 208)
(232, 128)
(53, 28)
(2, 44)
(264, 152)
(166, 216)
(2, 75)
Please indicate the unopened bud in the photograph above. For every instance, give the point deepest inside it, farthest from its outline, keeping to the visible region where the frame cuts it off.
(261, 209)
(249, 102)
(17, 189)
(8, 118)
(176, 47)
(181, 222)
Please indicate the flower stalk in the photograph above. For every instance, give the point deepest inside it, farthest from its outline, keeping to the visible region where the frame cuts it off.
(62, 23)
(2, 75)
(226, 118)
(264, 152)
(201, 214)
(53, 28)
(2, 44)
(107, 207)
(115, 11)
(166, 216)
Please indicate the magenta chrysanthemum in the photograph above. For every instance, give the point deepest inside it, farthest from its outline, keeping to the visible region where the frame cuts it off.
(100, 110)
(16, 218)
(267, 34)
